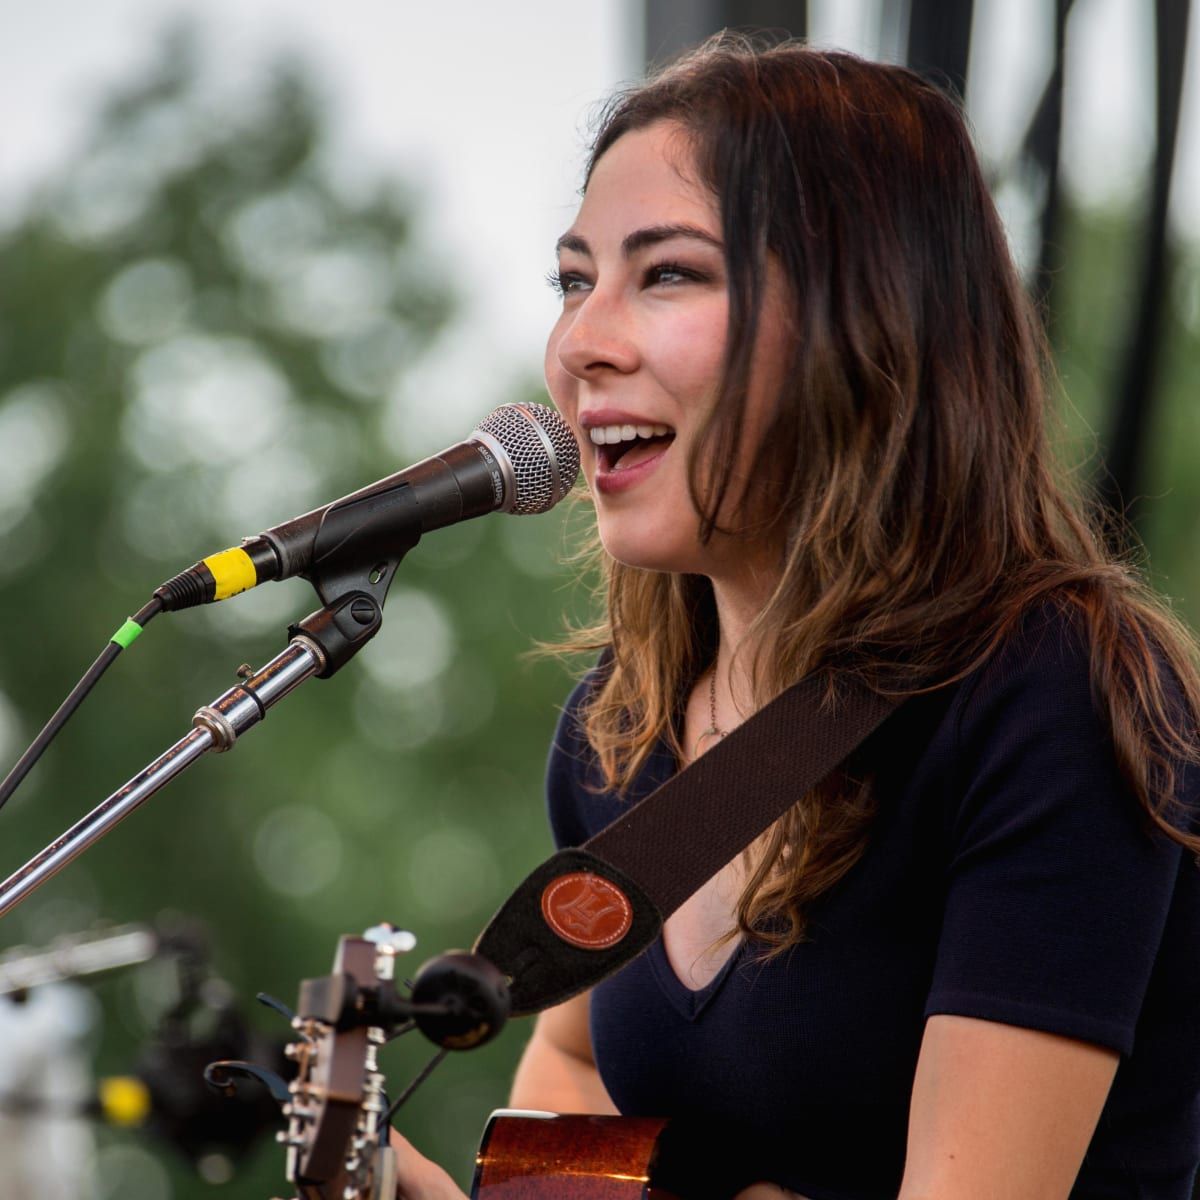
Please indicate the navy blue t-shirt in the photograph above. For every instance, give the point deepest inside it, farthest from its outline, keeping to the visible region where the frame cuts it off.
(1010, 875)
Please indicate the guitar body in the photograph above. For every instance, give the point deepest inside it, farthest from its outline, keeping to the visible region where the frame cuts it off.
(540, 1156)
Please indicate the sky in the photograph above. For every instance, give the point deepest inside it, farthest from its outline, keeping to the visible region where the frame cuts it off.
(485, 106)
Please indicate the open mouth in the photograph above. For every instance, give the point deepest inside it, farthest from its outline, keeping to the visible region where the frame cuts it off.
(620, 447)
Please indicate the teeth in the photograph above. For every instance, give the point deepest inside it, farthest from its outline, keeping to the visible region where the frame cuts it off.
(610, 435)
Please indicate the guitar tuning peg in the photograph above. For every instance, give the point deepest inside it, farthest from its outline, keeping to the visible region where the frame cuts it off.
(221, 1075)
(278, 1006)
(387, 937)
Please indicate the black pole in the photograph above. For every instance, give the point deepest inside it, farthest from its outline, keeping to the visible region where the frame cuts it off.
(939, 41)
(1138, 375)
(673, 25)
(1043, 143)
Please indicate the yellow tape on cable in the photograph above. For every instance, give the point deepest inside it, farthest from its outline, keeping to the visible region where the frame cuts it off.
(232, 572)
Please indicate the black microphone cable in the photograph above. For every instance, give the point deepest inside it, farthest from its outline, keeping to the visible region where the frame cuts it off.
(121, 640)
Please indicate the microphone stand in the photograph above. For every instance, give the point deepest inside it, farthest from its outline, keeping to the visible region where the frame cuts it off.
(319, 645)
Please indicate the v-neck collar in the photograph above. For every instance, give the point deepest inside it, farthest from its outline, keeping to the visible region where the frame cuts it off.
(689, 1002)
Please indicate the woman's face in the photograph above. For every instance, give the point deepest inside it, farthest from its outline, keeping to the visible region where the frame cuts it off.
(634, 360)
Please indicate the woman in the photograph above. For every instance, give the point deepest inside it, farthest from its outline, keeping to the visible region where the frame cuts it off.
(808, 387)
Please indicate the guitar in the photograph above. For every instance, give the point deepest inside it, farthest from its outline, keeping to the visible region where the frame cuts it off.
(339, 1118)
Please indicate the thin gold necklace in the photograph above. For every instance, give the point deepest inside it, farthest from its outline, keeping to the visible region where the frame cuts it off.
(713, 730)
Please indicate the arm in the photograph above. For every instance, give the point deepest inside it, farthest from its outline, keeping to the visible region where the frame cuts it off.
(557, 1072)
(1001, 1112)
(1056, 903)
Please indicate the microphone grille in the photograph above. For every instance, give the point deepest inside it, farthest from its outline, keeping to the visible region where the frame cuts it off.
(542, 451)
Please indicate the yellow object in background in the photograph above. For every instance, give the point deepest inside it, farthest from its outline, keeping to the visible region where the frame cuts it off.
(124, 1100)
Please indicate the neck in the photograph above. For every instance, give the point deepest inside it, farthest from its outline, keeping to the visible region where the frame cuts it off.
(738, 603)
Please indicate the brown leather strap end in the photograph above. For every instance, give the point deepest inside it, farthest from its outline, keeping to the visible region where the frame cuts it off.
(574, 921)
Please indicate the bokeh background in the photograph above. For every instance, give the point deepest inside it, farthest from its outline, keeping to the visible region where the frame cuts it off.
(255, 256)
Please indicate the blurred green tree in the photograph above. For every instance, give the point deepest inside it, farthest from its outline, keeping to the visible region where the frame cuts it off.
(1095, 298)
(200, 335)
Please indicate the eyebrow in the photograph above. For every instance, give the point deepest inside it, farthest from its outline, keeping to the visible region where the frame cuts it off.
(639, 239)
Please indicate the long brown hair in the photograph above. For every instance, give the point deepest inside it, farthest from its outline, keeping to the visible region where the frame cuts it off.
(908, 469)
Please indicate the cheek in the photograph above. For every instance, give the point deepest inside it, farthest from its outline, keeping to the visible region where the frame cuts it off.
(686, 352)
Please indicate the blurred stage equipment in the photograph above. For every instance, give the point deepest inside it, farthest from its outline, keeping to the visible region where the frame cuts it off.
(49, 1099)
(75, 956)
(47, 1149)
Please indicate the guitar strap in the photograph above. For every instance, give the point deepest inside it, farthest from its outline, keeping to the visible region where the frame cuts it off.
(586, 912)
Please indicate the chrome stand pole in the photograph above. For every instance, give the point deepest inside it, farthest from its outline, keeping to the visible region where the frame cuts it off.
(215, 727)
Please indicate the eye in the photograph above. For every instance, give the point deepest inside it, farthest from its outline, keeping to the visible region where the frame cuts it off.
(671, 273)
(566, 283)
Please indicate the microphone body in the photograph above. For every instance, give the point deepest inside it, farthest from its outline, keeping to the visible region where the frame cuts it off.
(462, 482)
(522, 459)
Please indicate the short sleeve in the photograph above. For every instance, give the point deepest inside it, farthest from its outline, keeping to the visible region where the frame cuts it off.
(1057, 892)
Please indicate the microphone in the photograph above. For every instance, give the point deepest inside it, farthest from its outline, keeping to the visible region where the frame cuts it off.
(521, 459)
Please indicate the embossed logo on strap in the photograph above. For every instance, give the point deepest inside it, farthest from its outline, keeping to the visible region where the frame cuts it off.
(586, 910)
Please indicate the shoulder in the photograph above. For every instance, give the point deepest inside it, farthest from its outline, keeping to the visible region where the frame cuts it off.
(570, 752)
(1047, 699)
(1048, 648)
(572, 773)
(1035, 690)
(1056, 886)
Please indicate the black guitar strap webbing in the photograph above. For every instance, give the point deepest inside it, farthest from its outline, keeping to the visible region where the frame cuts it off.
(586, 912)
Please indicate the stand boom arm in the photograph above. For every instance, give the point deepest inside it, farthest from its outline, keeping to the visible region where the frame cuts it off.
(216, 726)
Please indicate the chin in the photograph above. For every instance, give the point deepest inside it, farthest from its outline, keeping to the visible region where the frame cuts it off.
(649, 553)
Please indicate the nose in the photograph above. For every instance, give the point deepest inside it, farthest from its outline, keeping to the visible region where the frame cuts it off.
(597, 337)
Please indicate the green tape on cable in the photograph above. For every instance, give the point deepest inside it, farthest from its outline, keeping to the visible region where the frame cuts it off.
(127, 634)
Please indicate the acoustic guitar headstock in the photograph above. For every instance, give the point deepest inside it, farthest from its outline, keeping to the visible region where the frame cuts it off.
(336, 1146)
(336, 1106)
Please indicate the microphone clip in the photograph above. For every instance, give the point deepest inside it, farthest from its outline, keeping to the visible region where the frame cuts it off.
(340, 630)
(356, 551)
(361, 541)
